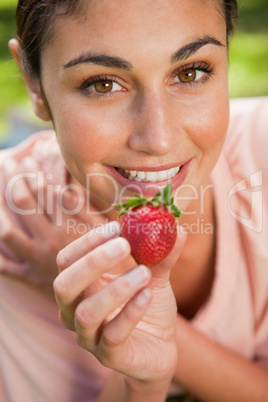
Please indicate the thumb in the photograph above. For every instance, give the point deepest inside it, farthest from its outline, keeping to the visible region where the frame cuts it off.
(162, 270)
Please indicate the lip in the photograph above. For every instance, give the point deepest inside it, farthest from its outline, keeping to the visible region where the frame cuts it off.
(150, 169)
(149, 189)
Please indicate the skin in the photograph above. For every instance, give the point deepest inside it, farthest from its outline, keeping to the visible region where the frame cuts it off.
(152, 122)
(151, 119)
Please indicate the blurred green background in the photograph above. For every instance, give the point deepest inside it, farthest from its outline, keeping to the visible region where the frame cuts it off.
(248, 64)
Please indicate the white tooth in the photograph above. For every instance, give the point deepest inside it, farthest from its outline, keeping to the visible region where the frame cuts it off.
(141, 175)
(169, 173)
(163, 175)
(151, 176)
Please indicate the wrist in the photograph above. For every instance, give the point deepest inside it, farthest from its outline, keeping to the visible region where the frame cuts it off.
(122, 388)
(148, 390)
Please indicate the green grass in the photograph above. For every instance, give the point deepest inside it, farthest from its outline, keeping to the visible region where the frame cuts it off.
(12, 90)
(8, 4)
(248, 71)
(249, 51)
(248, 58)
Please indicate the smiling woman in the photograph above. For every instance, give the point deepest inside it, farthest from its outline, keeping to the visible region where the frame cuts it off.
(128, 91)
(137, 92)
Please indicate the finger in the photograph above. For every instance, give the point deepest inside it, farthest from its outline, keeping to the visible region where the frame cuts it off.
(92, 312)
(116, 332)
(21, 200)
(64, 206)
(12, 236)
(62, 202)
(49, 195)
(74, 280)
(10, 267)
(19, 270)
(80, 275)
(162, 270)
(86, 243)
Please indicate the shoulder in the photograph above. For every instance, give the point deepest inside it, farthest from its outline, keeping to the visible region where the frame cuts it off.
(245, 154)
(246, 151)
(246, 144)
(248, 109)
(246, 147)
(43, 149)
(27, 147)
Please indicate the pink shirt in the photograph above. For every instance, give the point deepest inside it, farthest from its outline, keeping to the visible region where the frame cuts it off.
(40, 360)
(236, 314)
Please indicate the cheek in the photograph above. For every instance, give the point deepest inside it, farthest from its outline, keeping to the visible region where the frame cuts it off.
(85, 136)
(210, 126)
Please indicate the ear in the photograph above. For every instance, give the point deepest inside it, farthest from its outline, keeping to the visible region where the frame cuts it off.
(32, 83)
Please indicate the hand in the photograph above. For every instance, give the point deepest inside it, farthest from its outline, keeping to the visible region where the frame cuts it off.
(36, 238)
(127, 321)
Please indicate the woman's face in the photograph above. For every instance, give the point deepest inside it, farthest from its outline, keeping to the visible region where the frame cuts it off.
(139, 86)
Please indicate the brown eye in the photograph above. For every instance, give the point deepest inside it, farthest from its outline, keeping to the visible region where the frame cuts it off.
(187, 75)
(103, 86)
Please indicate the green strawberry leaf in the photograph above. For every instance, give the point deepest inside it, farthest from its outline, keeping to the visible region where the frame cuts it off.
(166, 200)
(166, 194)
(156, 197)
(176, 211)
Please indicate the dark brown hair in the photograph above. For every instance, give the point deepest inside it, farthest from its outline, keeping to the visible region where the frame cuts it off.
(35, 20)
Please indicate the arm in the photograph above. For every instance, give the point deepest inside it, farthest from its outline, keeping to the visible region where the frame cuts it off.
(213, 373)
(36, 238)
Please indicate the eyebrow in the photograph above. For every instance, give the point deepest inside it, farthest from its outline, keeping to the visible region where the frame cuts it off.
(188, 50)
(100, 59)
(116, 62)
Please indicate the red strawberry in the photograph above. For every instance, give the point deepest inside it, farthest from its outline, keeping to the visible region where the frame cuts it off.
(150, 226)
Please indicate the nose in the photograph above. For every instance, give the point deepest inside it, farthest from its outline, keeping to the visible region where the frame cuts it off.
(154, 128)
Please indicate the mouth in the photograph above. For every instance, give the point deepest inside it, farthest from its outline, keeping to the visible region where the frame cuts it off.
(150, 180)
(149, 176)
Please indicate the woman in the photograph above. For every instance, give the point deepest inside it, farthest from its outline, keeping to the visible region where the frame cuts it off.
(138, 95)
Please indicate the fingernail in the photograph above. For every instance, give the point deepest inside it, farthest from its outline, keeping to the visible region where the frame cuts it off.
(137, 275)
(143, 297)
(115, 247)
(108, 230)
(111, 228)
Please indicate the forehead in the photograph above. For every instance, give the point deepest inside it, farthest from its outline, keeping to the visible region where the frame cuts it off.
(123, 25)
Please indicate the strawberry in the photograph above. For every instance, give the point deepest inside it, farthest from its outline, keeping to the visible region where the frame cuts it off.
(150, 226)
